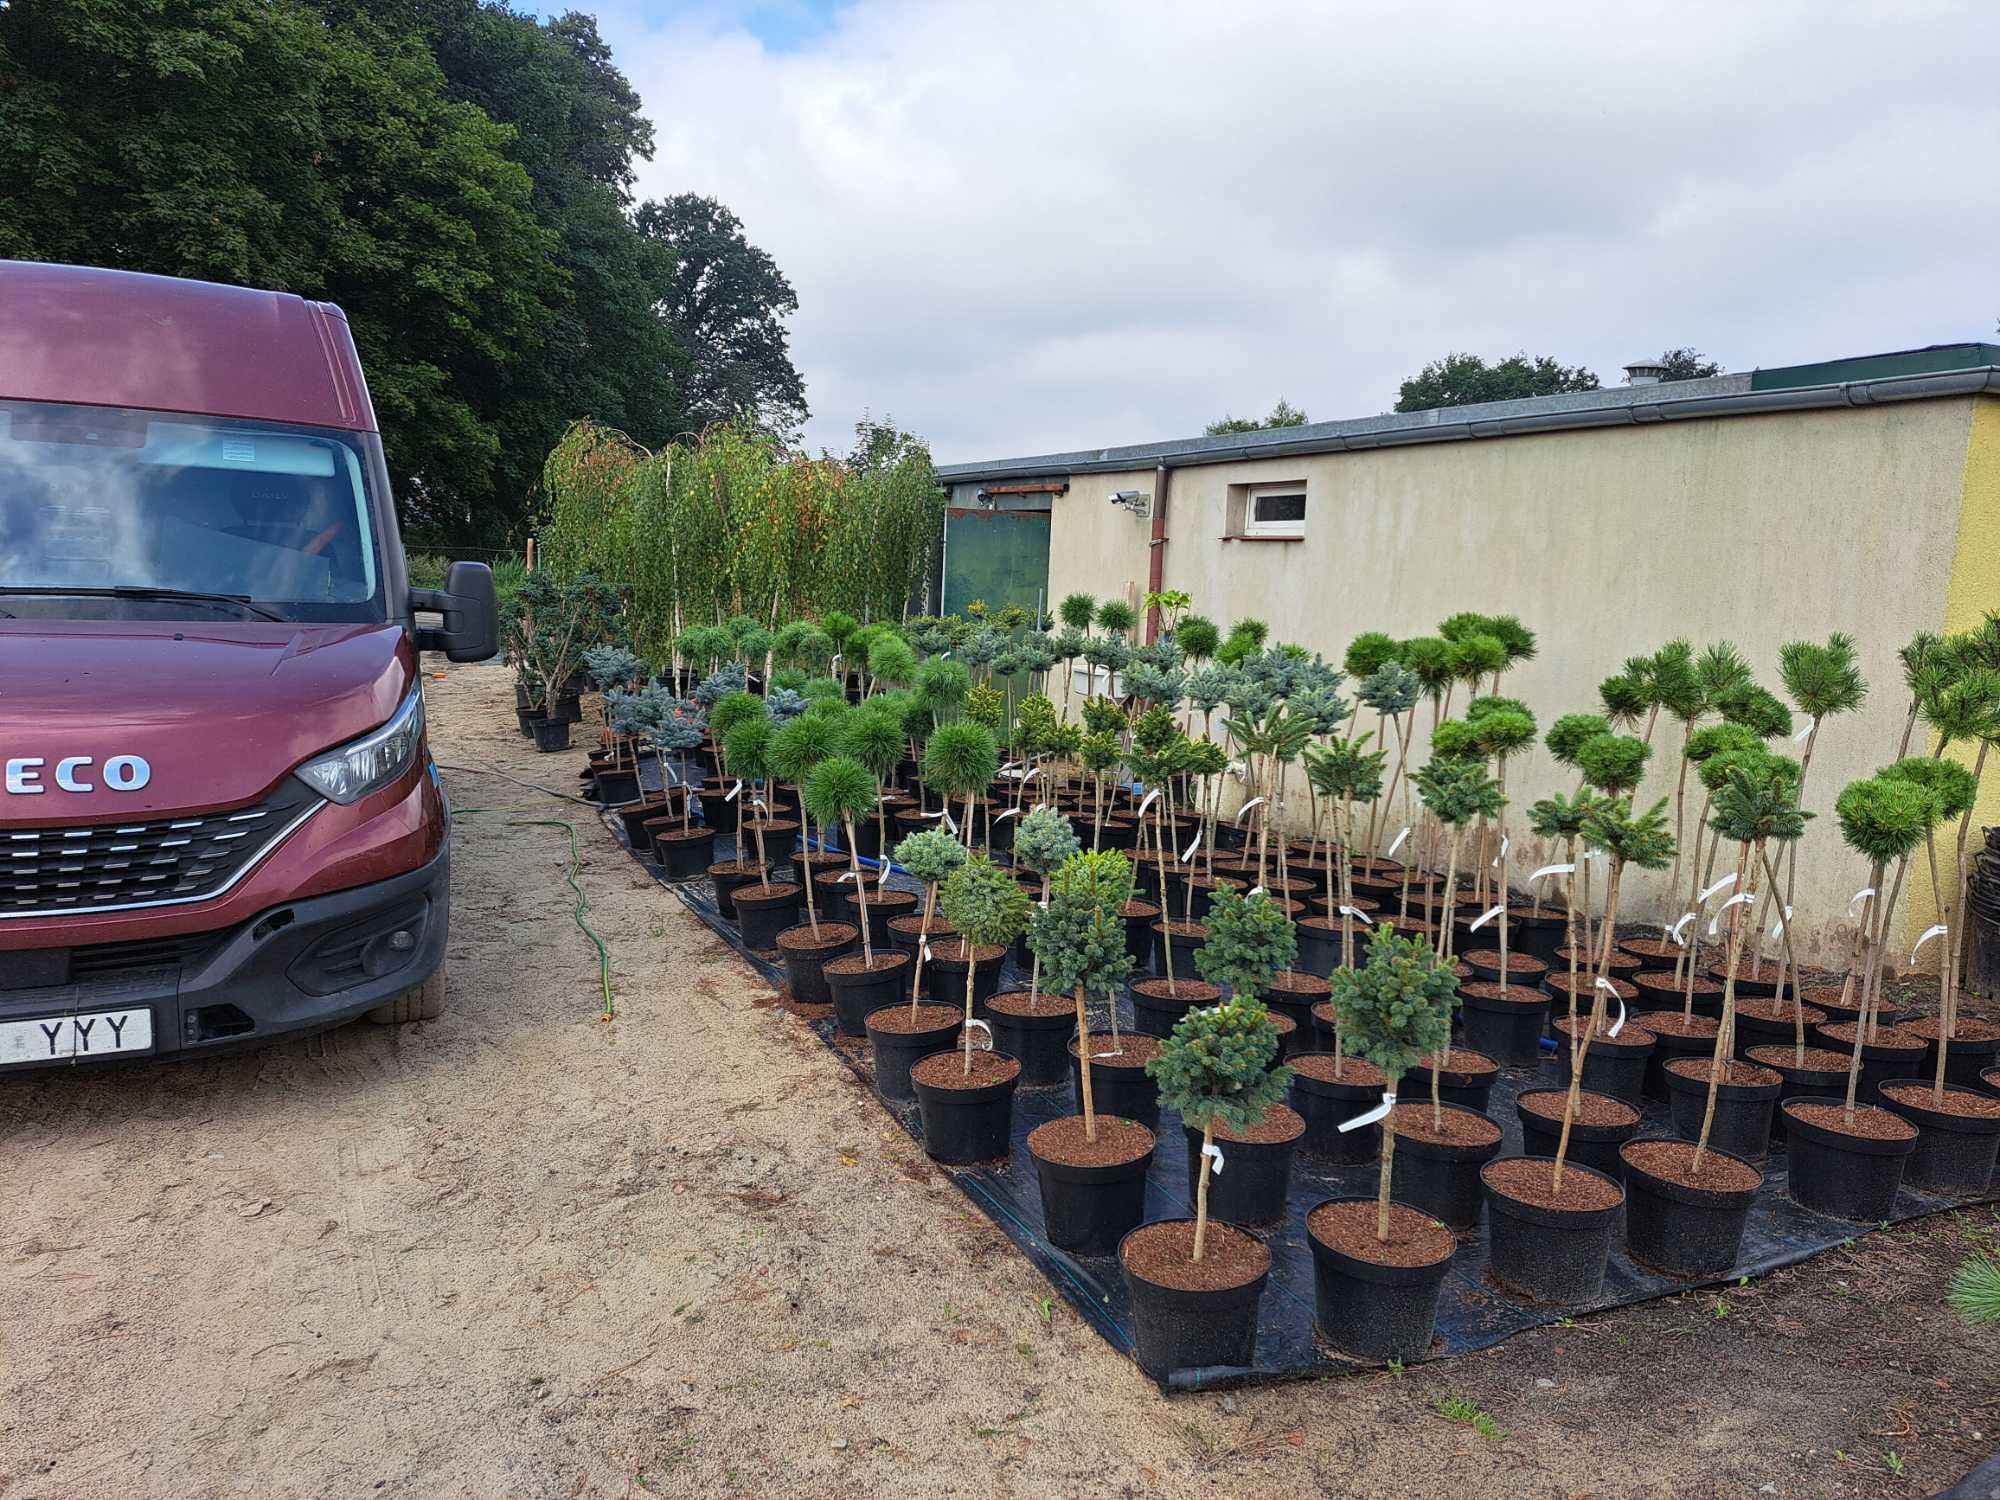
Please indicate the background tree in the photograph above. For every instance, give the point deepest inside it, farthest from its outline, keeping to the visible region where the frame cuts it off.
(1284, 414)
(1687, 364)
(1463, 379)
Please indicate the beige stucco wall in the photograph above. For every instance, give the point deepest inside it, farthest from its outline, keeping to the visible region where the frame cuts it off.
(1608, 543)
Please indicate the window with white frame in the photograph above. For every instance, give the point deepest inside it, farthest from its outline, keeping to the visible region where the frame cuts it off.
(1274, 509)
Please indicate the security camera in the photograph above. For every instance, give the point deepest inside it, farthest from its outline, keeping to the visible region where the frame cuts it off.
(1124, 497)
(1139, 502)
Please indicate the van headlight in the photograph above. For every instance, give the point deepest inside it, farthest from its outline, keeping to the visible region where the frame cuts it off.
(352, 771)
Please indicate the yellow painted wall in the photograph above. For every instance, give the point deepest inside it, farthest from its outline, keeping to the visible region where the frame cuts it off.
(1608, 543)
(1973, 591)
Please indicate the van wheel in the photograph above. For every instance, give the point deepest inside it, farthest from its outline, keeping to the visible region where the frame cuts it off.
(424, 1003)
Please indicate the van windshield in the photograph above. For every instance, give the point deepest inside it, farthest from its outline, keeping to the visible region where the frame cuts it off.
(149, 504)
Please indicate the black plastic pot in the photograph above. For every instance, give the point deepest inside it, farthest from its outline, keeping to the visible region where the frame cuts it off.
(1552, 1255)
(550, 734)
(781, 837)
(1040, 1043)
(855, 995)
(1682, 1230)
(1753, 1030)
(881, 912)
(1749, 986)
(1157, 1015)
(1125, 1091)
(525, 718)
(1537, 935)
(1175, 1330)
(1991, 1078)
(1843, 1176)
(1319, 947)
(1297, 1008)
(1595, 1146)
(683, 856)
(1255, 1178)
(896, 1052)
(965, 1125)
(1527, 969)
(1468, 1088)
(619, 785)
(1882, 1061)
(1667, 1046)
(1324, 1106)
(1506, 1030)
(1614, 1066)
(1139, 917)
(1658, 992)
(1438, 1178)
(569, 707)
(1968, 1058)
(1807, 1082)
(802, 965)
(1088, 1210)
(717, 810)
(944, 977)
(1954, 1151)
(1743, 1111)
(1184, 945)
(762, 913)
(727, 883)
(1370, 1310)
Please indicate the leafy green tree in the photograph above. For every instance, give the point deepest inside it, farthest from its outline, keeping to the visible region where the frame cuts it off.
(1687, 364)
(1465, 379)
(1393, 1010)
(1456, 791)
(1219, 1067)
(1284, 414)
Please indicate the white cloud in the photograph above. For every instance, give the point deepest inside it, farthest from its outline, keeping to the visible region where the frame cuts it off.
(1033, 226)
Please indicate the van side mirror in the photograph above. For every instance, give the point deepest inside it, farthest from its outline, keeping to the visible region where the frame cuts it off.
(471, 614)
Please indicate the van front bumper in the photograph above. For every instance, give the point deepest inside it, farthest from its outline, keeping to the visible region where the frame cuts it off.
(298, 967)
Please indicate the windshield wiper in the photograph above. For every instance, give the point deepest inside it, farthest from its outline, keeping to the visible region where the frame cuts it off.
(142, 591)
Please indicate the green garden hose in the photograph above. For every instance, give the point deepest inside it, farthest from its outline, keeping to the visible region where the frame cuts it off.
(575, 863)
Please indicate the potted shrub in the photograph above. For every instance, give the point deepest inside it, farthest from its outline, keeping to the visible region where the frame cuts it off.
(1028, 1025)
(1195, 1285)
(550, 626)
(839, 790)
(1091, 1167)
(766, 908)
(901, 1035)
(613, 670)
(1379, 1265)
(1551, 1218)
(966, 1097)
(1249, 939)
(960, 761)
(1343, 772)
(800, 743)
(684, 850)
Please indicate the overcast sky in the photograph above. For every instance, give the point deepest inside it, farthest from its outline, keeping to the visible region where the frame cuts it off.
(1023, 227)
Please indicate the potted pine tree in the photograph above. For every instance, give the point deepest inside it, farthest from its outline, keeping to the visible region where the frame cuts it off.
(1379, 1264)
(1091, 1167)
(767, 907)
(1551, 1218)
(1195, 1285)
(796, 751)
(683, 849)
(966, 1096)
(838, 791)
(902, 1034)
(1032, 1025)
(1250, 938)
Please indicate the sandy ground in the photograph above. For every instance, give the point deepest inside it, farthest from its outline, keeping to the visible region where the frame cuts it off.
(526, 1252)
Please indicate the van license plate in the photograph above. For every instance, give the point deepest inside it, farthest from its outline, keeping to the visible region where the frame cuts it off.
(102, 1033)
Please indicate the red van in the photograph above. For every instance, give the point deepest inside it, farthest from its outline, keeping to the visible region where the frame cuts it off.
(219, 821)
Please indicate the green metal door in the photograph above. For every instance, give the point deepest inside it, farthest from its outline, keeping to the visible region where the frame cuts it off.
(1000, 556)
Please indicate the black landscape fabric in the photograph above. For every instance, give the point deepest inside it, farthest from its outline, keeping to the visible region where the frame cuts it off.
(1473, 1313)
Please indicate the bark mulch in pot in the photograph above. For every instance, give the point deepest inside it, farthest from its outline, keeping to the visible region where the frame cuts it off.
(1659, 987)
(1531, 1180)
(1557, 983)
(1093, 1192)
(1683, 1219)
(804, 952)
(1622, 966)
(1758, 978)
(1325, 1094)
(1975, 1047)
(1547, 1240)
(1654, 950)
(1673, 1161)
(1762, 1021)
(1374, 1297)
(1522, 968)
(1827, 997)
(1600, 1111)
(1164, 1255)
(1118, 1141)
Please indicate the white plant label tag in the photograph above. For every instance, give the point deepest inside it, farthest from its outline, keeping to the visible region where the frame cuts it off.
(1486, 916)
(1370, 1116)
(1012, 765)
(927, 950)
(1012, 812)
(1399, 839)
(1778, 927)
(1505, 845)
(1255, 890)
(1619, 1024)
(1547, 870)
(760, 802)
(1679, 927)
(1929, 933)
(733, 791)
(983, 1043)
(1031, 773)
(1736, 900)
(1860, 896)
(1811, 725)
(1151, 797)
(1188, 853)
(1354, 911)
(845, 876)
(1720, 885)
(1244, 810)
(1214, 1152)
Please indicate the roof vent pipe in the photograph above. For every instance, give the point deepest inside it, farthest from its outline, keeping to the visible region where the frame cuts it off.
(1645, 372)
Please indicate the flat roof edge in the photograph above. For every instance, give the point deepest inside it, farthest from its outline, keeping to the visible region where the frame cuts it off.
(1875, 392)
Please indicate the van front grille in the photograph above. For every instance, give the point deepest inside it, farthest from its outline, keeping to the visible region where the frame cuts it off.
(110, 867)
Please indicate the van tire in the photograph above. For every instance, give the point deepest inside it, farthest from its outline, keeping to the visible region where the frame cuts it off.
(424, 1003)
